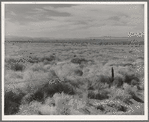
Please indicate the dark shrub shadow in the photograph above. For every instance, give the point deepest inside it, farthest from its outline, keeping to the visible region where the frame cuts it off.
(12, 102)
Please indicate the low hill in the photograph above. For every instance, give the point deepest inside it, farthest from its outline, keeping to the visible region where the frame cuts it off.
(95, 40)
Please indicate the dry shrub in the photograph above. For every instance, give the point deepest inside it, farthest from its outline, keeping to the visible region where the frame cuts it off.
(49, 101)
(39, 84)
(129, 75)
(126, 94)
(100, 95)
(17, 66)
(76, 112)
(38, 87)
(35, 80)
(77, 82)
(13, 77)
(38, 67)
(35, 59)
(14, 60)
(47, 90)
(112, 106)
(111, 62)
(76, 103)
(99, 81)
(119, 62)
(58, 88)
(66, 69)
(57, 105)
(61, 102)
(122, 75)
(32, 59)
(118, 81)
(29, 109)
(141, 84)
(47, 110)
(121, 94)
(78, 60)
(135, 109)
(12, 102)
(133, 91)
(27, 98)
(68, 105)
(78, 72)
(48, 58)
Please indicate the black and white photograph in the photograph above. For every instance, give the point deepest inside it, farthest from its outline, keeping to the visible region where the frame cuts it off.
(74, 58)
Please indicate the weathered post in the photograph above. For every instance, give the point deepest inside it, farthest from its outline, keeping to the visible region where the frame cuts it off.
(112, 76)
(112, 70)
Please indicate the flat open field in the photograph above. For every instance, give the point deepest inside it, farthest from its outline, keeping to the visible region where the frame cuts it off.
(73, 79)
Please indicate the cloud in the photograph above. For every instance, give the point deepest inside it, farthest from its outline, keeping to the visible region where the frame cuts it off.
(49, 12)
(78, 20)
(115, 18)
(12, 13)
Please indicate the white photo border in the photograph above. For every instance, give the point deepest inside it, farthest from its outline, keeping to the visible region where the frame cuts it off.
(77, 117)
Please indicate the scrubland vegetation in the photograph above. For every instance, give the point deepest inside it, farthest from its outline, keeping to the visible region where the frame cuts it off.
(49, 79)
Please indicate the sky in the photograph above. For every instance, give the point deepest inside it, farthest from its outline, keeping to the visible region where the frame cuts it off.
(73, 20)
